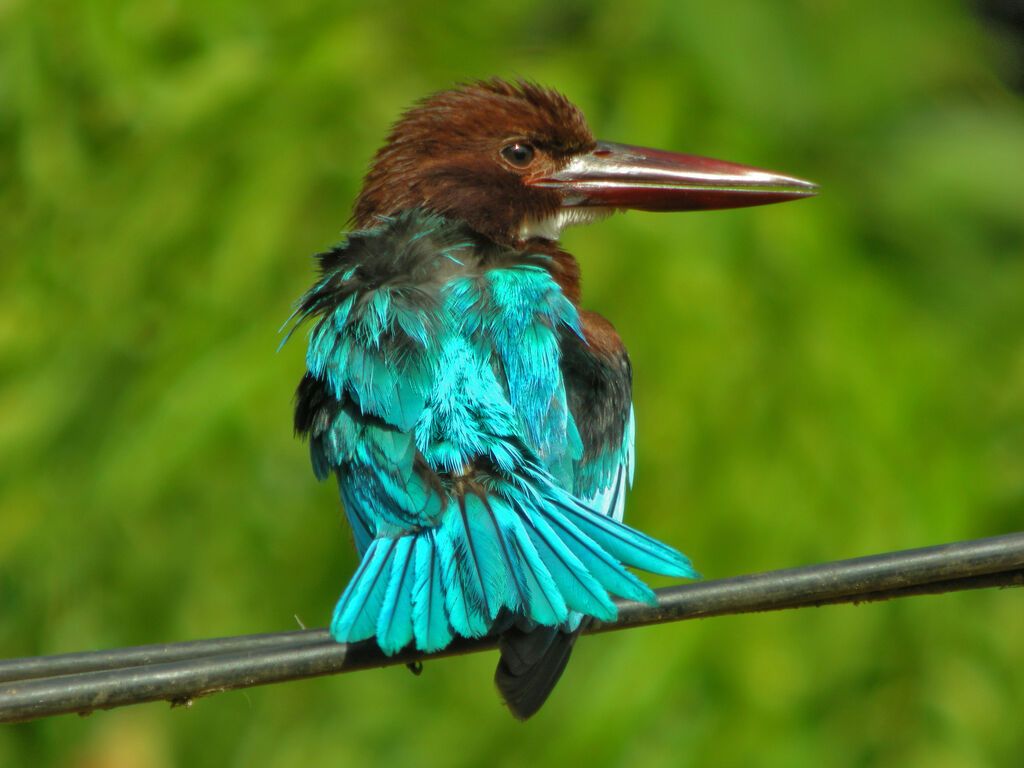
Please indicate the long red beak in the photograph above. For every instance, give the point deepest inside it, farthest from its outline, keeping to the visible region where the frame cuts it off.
(622, 176)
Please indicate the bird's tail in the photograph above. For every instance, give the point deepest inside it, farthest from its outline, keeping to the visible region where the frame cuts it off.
(531, 663)
(538, 558)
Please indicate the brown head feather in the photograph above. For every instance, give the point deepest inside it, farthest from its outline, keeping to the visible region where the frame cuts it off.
(444, 155)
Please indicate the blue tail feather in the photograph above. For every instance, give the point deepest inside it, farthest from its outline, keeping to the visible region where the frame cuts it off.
(505, 522)
(463, 598)
(545, 560)
(629, 545)
(608, 571)
(355, 616)
(394, 624)
(547, 606)
(486, 562)
(581, 590)
(430, 622)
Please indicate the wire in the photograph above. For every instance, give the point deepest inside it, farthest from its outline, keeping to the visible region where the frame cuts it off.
(36, 687)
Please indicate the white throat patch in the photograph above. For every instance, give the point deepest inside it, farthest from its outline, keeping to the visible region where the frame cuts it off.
(550, 227)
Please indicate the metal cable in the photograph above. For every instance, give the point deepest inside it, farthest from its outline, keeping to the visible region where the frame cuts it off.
(37, 687)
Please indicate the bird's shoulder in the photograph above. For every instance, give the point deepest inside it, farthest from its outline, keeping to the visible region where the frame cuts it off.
(419, 311)
(427, 262)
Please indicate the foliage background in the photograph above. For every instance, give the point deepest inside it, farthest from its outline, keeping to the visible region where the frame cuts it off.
(814, 381)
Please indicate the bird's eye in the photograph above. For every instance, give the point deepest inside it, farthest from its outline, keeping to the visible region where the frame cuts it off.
(518, 154)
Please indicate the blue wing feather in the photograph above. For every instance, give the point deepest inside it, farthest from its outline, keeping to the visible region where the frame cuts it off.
(435, 392)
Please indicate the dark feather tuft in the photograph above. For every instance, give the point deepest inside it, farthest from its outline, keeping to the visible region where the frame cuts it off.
(530, 666)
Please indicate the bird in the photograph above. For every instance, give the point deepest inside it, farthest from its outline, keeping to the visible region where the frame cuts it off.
(478, 420)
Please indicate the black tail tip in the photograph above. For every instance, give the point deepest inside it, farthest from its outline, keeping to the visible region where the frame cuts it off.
(530, 666)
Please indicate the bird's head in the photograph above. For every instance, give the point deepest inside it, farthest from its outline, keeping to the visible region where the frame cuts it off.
(517, 162)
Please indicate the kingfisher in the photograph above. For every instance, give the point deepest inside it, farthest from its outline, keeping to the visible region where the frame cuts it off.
(477, 418)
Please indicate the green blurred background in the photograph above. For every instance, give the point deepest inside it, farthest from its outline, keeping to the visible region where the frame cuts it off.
(814, 381)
